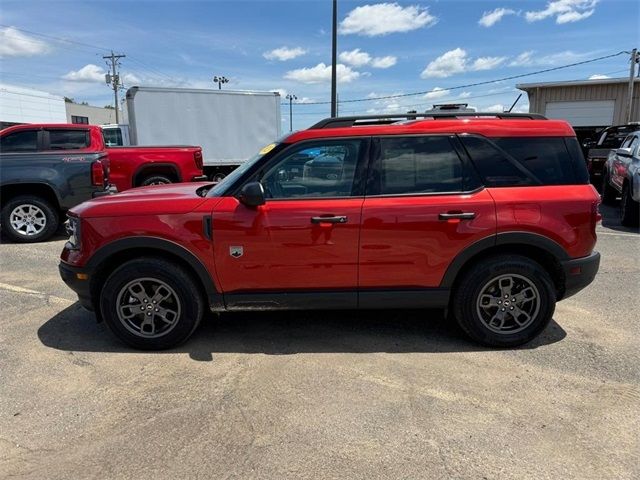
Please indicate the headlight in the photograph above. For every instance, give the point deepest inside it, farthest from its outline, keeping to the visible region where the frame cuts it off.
(73, 230)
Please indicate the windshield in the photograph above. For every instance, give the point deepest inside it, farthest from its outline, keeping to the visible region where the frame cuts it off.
(230, 179)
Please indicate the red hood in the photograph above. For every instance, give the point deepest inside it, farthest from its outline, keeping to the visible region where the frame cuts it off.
(169, 199)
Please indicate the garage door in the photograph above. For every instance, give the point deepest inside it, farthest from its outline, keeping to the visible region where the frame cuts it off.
(583, 114)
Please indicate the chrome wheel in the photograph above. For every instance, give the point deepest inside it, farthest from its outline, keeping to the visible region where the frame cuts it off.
(148, 307)
(28, 220)
(508, 304)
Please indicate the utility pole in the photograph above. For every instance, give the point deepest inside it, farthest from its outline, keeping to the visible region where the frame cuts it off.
(220, 80)
(635, 57)
(291, 98)
(113, 78)
(334, 53)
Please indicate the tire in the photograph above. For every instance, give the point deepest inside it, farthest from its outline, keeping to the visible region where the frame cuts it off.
(609, 194)
(217, 177)
(133, 286)
(156, 180)
(41, 219)
(475, 289)
(629, 211)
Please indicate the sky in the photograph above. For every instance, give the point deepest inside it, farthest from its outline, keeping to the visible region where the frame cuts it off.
(425, 50)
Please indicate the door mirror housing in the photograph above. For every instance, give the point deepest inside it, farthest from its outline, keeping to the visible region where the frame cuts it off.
(624, 152)
(252, 195)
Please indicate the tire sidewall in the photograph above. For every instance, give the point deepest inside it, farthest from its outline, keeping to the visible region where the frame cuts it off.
(180, 281)
(471, 287)
(52, 219)
(149, 181)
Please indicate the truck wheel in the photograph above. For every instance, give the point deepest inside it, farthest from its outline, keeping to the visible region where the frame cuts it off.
(609, 193)
(217, 177)
(155, 180)
(504, 301)
(629, 211)
(151, 304)
(28, 219)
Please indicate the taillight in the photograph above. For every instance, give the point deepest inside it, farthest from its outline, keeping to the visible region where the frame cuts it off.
(197, 157)
(97, 174)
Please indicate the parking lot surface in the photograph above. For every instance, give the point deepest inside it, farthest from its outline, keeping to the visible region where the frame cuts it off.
(390, 394)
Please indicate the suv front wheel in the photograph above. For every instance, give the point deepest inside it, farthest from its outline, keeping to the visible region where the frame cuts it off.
(504, 301)
(151, 304)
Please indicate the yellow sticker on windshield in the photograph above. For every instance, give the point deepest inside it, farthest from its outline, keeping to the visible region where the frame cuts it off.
(267, 149)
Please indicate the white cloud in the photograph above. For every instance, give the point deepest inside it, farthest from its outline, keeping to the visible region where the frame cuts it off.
(447, 64)
(284, 53)
(356, 58)
(385, 18)
(487, 63)
(384, 62)
(436, 93)
(91, 73)
(497, 108)
(597, 76)
(465, 95)
(528, 59)
(321, 73)
(282, 91)
(489, 19)
(565, 11)
(14, 43)
(305, 100)
(524, 59)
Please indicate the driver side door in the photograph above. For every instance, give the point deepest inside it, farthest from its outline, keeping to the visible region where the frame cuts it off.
(299, 249)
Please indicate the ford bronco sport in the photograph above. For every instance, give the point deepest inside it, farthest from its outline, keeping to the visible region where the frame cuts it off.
(488, 216)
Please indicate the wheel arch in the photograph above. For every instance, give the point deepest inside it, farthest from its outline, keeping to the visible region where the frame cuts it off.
(41, 189)
(162, 168)
(109, 257)
(543, 250)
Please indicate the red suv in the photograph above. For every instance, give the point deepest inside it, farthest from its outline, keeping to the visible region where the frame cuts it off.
(488, 216)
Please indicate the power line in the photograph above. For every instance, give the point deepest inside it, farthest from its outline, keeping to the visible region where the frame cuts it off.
(469, 85)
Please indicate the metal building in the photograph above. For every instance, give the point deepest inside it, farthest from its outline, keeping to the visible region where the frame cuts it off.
(585, 103)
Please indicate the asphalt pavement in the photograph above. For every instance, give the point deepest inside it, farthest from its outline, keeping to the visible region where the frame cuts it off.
(320, 395)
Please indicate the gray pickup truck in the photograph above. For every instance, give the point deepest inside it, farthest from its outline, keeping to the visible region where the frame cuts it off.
(46, 171)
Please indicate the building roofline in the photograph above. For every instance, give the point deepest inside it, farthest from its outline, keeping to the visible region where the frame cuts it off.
(574, 83)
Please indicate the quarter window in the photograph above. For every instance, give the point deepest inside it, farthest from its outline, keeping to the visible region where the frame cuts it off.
(494, 166)
(68, 139)
(417, 165)
(319, 170)
(25, 141)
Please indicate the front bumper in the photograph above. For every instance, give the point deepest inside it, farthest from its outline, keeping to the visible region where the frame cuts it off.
(579, 273)
(110, 190)
(78, 280)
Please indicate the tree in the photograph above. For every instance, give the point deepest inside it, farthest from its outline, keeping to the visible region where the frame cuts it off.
(110, 107)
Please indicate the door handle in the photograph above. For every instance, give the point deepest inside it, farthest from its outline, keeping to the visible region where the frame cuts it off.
(458, 215)
(337, 219)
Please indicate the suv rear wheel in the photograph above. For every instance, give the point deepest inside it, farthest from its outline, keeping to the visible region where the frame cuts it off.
(29, 218)
(504, 301)
(151, 304)
(609, 193)
(629, 211)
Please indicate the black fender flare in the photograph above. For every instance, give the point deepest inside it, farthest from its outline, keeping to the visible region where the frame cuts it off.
(504, 238)
(104, 253)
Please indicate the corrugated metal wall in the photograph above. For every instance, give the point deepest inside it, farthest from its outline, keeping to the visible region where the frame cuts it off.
(540, 96)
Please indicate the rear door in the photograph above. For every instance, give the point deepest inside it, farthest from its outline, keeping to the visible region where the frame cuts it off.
(424, 205)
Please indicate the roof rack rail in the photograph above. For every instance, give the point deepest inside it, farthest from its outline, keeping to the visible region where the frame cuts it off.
(386, 119)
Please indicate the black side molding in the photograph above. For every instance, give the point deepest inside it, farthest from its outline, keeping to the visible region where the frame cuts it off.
(206, 226)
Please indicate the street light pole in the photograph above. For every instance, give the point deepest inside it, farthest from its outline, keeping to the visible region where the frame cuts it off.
(334, 53)
(291, 98)
(220, 80)
(632, 71)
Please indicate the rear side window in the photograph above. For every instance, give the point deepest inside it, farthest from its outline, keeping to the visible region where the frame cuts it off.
(493, 165)
(417, 165)
(547, 158)
(25, 141)
(68, 139)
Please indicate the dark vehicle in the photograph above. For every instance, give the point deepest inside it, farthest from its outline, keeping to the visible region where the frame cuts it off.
(46, 171)
(488, 216)
(621, 177)
(597, 152)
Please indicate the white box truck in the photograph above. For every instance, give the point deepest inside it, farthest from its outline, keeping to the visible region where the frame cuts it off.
(230, 126)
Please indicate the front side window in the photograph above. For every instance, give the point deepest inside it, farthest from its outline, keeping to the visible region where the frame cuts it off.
(68, 139)
(324, 169)
(25, 141)
(415, 165)
(614, 137)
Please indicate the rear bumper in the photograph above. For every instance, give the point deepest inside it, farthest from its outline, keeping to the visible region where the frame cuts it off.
(579, 273)
(110, 190)
(82, 288)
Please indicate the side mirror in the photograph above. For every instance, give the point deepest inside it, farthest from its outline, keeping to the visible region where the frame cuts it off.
(624, 152)
(252, 194)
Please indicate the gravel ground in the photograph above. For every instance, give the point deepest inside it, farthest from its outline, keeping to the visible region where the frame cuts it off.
(320, 395)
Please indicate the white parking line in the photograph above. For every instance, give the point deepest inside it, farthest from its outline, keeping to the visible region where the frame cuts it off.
(27, 291)
(619, 234)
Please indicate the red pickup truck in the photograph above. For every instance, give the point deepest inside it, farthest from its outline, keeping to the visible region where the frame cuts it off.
(129, 166)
